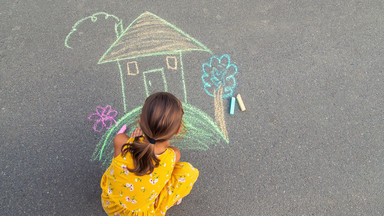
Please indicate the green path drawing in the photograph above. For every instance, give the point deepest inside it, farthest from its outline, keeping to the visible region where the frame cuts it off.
(202, 133)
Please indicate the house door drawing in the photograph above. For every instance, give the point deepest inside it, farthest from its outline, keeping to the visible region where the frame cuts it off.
(154, 81)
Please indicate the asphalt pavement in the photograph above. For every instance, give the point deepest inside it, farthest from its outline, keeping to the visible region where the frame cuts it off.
(311, 141)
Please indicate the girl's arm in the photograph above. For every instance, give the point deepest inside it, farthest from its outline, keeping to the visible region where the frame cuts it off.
(118, 142)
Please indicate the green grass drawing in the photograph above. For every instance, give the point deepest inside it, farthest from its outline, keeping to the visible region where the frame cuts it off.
(202, 133)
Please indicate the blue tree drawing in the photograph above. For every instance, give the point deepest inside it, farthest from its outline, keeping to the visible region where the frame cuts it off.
(219, 73)
(219, 82)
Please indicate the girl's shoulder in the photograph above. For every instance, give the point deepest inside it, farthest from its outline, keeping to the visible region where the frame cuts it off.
(176, 152)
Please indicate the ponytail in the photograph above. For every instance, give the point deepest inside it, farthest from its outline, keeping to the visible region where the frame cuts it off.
(160, 119)
(143, 155)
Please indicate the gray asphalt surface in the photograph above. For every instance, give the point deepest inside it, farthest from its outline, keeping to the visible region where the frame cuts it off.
(310, 73)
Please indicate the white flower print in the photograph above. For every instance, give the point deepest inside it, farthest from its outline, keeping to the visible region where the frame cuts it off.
(153, 181)
(181, 180)
(109, 191)
(123, 205)
(169, 191)
(123, 167)
(131, 189)
(128, 199)
(111, 171)
(128, 185)
(126, 172)
(134, 201)
(177, 196)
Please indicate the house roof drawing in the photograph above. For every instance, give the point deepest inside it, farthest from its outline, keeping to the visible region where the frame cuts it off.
(150, 35)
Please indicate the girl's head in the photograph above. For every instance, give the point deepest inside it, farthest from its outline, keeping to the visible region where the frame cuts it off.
(161, 116)
(160, 119)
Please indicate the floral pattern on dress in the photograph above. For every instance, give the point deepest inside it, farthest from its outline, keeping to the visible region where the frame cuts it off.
(123, 192)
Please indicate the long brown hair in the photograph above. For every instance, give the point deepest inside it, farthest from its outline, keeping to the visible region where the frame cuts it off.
(160, 119)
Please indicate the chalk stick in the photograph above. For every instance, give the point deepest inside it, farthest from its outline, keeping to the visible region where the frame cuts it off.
(122, 129)
(232, 108)
(241, 103)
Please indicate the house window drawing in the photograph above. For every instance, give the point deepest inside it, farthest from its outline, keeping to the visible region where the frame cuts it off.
(132, 68)
(172, 62)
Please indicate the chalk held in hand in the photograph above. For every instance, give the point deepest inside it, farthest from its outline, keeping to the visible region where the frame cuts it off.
(241, 103)
(122, 129)
(232, 108)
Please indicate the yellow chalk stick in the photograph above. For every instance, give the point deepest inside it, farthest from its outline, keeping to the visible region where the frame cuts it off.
(241, 103)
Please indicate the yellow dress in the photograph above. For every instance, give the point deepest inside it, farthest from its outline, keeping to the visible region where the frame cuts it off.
(124, 193)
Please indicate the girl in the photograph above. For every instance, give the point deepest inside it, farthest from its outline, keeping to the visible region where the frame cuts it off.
(145, 176)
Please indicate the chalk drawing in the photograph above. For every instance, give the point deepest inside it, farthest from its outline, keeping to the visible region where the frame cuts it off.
(93, 18)
(219, 111)
(150, 35)
(104, 117)
(219, 72)
(219, 82)
(118, 32)
(147, 36)
(172, 62)
(158, 73)
(136, 68)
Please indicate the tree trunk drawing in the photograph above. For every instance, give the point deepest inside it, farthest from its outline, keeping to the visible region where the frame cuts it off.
(219, 111)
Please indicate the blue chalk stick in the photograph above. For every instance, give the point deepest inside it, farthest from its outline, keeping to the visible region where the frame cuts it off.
(232, 109)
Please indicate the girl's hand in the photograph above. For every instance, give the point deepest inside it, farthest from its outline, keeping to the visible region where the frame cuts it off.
(137, 132)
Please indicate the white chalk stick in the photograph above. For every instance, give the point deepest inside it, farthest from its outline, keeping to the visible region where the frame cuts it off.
(241, 103)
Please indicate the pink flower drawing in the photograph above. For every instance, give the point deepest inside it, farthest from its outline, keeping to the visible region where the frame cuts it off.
(104, 117)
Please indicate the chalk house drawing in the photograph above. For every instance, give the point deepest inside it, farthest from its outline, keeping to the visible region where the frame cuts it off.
(151, 36)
